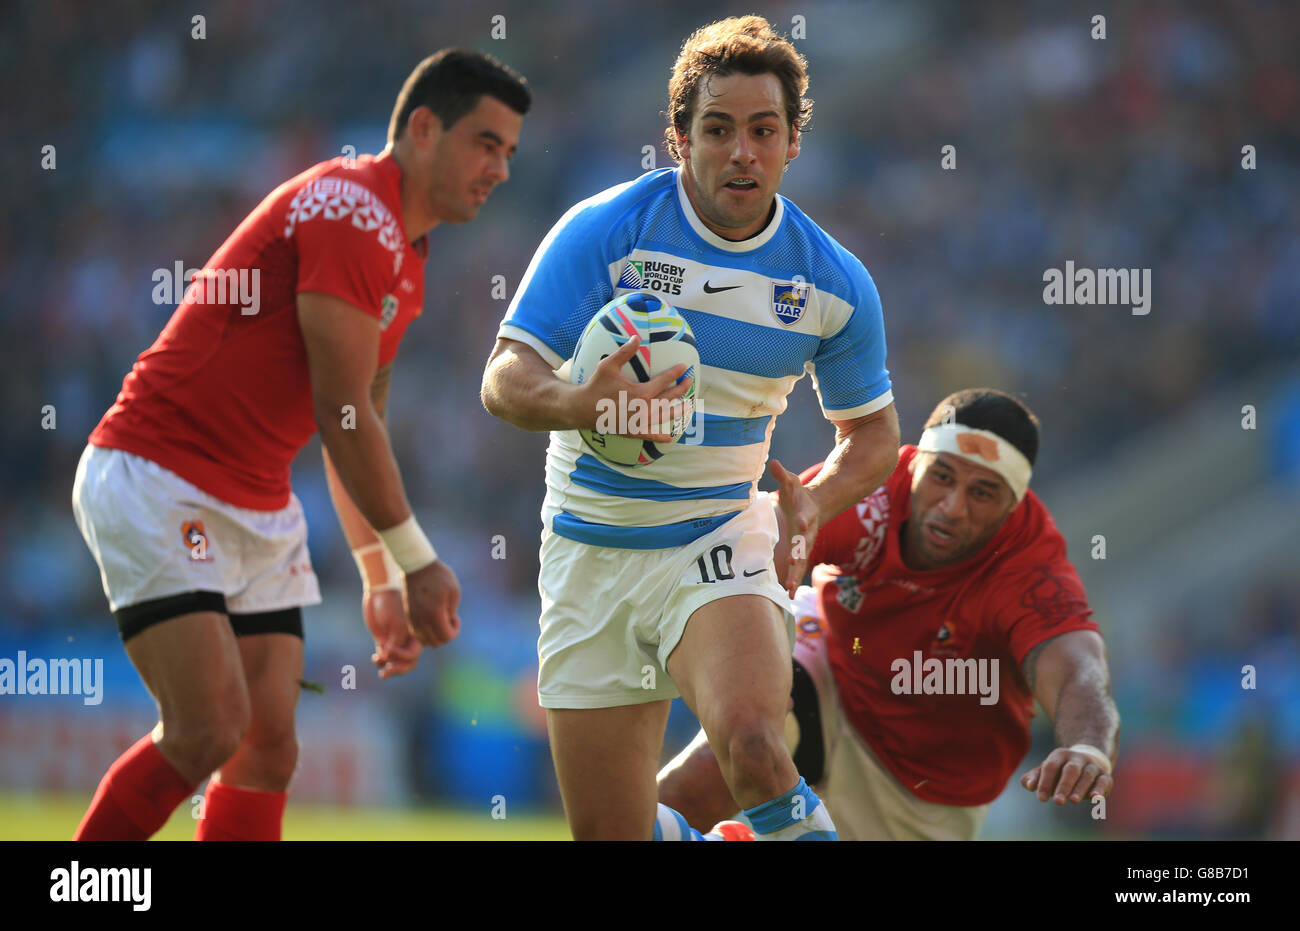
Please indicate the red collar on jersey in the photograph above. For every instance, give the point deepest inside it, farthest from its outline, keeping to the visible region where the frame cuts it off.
(391, 172)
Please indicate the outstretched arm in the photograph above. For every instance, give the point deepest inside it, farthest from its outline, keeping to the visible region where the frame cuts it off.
(1069, 677)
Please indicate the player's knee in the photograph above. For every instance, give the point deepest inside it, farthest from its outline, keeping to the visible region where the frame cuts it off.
(276, 759)
(754, 747)
(200, 741)
(200, 747)
(755, 744)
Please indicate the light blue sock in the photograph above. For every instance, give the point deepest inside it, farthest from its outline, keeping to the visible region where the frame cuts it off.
(796, 815)
(671, 825)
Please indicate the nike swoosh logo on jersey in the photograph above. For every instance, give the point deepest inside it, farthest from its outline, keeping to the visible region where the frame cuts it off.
(756, 571)
(711, 290)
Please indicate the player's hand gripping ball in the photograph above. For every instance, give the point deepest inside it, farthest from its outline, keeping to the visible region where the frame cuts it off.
(666, 341)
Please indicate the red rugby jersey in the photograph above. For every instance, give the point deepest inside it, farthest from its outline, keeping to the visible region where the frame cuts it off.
(1017, 592)
(223, 397)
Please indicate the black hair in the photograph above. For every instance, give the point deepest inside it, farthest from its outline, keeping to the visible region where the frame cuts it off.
(992, 410)
(450, 83)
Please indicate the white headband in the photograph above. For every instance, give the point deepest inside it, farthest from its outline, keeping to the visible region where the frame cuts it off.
(982, 448)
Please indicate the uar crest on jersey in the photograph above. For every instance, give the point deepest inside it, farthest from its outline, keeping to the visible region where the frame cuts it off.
(789, 301)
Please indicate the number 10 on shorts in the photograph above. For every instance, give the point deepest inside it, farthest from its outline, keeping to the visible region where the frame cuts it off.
(720, 557)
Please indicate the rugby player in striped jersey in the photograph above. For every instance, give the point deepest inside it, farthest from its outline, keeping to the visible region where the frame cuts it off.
(659, 580)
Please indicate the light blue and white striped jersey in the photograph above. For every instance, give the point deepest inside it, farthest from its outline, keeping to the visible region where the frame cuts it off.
(788, 300)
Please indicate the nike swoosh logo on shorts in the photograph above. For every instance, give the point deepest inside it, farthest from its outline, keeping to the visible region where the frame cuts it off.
(756, 571)
(711, 290)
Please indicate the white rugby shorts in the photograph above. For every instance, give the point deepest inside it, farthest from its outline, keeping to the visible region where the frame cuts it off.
(612, 617)
(155, 535)
(863, 798)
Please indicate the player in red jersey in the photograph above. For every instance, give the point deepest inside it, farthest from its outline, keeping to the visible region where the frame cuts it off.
(183, 491)
(944, 605)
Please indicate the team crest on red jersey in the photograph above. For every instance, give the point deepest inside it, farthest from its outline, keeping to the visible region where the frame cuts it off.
(849, 595)
(945, 643)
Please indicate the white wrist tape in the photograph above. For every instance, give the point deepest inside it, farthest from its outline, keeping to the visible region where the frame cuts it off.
(392, 580)
(409, 546)
(1089, 750)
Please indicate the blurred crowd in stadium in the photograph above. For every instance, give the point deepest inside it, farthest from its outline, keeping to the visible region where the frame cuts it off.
(1124, 152)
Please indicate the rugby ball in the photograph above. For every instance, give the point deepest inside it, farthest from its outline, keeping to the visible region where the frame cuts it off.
(666, 341)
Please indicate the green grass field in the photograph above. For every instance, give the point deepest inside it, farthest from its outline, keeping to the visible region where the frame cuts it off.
(55, 817)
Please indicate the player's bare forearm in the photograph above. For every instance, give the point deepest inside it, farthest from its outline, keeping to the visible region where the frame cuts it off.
(1072, 681)
(356, 529)
(363, 462)
(865, 454)
(1069, 677)
(1086, 713)
(342, 344)
(522, 389)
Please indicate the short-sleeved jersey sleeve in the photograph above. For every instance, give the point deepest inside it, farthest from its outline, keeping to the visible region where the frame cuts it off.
(567, 281)
(339, 258)
(1039, 603)
(849, 368)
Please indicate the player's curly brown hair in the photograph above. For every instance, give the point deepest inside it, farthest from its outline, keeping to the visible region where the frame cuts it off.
(744, 44)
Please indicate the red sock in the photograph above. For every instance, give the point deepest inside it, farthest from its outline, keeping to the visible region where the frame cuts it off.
(136, 796)
(232, 813)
